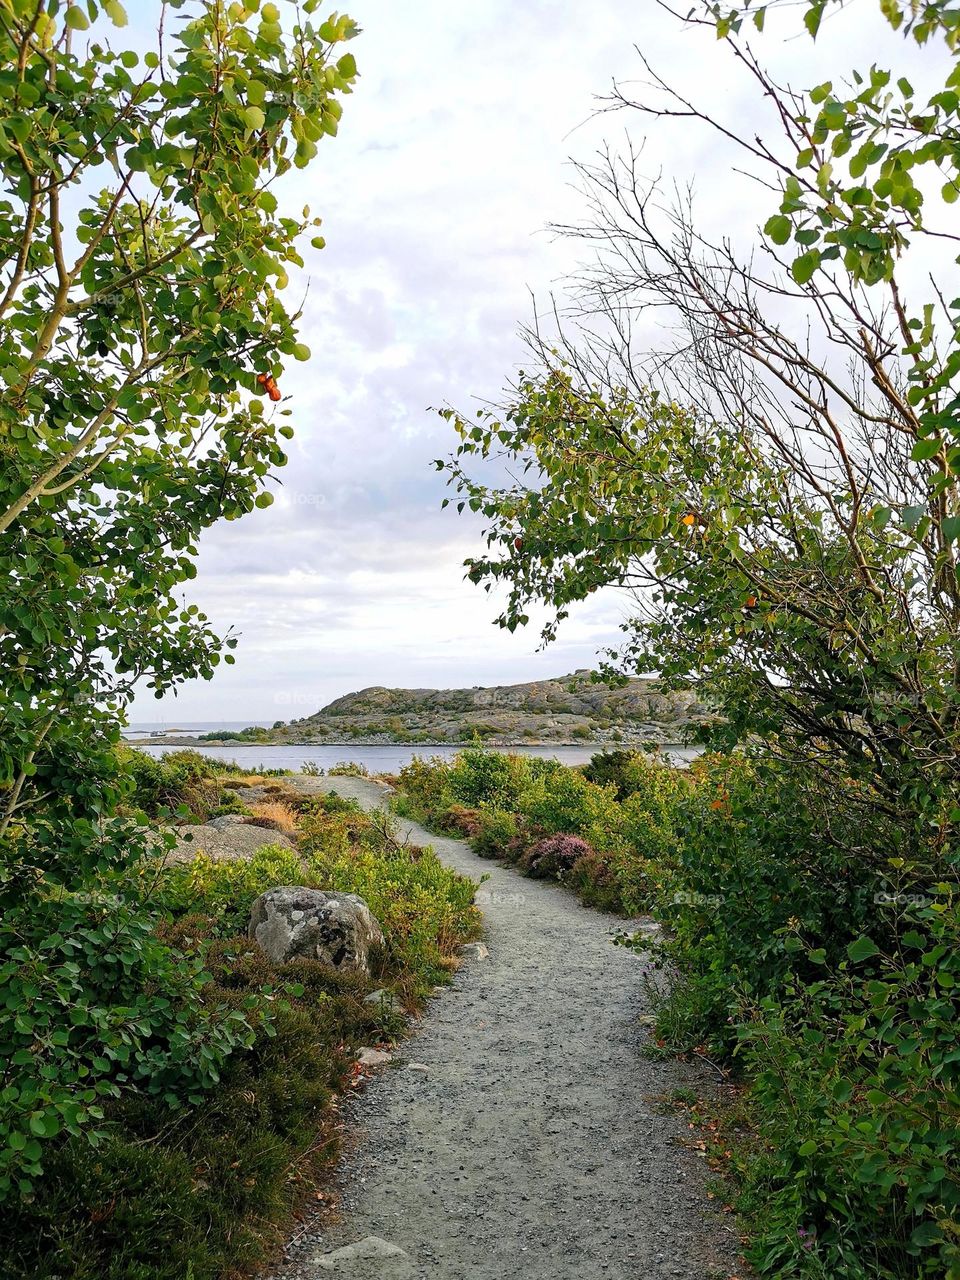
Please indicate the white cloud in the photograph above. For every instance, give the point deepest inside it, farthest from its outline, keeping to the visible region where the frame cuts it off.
(452, 157)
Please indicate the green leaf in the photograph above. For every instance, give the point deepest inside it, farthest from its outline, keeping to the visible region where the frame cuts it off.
(924, 449)
(926, 1234)
(862, 949)
(807, 1149)
(76, 19)
(301, 351)
(804, 266)
(115, 12)
(950, 527)
(778, 228)
(254, 117)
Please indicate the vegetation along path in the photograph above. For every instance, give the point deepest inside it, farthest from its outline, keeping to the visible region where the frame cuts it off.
(518, 1132)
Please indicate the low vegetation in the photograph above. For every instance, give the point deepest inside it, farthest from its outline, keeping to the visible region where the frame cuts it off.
(185, 1112)
(826, 985)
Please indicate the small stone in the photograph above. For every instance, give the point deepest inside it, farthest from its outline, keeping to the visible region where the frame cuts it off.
(368, 1247)
(417, 1066)
(476, 951)
(373, 1058)
(384, 1001)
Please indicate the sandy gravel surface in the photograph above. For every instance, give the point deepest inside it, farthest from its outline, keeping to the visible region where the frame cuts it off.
(517, 1133)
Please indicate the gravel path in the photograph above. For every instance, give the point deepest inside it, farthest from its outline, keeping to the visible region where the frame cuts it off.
(517, 1133)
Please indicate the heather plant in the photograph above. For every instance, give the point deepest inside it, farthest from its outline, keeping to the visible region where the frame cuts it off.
(553, 857)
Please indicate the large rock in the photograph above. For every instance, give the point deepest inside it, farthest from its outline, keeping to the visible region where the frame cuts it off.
(291, 923)
(235, 841)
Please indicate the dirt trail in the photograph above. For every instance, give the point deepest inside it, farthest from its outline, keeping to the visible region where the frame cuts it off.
(517, 1133)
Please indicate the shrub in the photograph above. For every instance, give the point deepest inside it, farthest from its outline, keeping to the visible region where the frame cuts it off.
(226, 889)
(564, 801)
(424, 907)
(495, 829)
(97, 1008)
(554, 856)
(855, 1095)
(348, 769)
(212, 1191)
(174, 780)
(458, 820)
(753, 873)
(595, 880)
(423, 785)
(478, 776)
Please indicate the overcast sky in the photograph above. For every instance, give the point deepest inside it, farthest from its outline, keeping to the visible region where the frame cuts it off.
(452, 157)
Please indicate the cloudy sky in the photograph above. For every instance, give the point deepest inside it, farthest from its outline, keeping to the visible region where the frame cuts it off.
(453, 155)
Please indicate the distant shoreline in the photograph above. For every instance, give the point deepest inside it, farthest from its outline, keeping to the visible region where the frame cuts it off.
(232, 743)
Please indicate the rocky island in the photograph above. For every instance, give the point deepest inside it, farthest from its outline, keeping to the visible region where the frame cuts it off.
(571, 709)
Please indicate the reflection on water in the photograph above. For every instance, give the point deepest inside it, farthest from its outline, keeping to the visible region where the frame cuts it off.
(387, 758)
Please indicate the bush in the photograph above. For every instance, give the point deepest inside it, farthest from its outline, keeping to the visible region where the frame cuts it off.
(187, 1179)
(597, 882)
(554, 857)
(424, 907)
(97, 1008)
(564, 801)
(836, 989)
(162, 1198)
(495, 830)
(486, 777)
(348, 769)
(176, 780)
(423, 785)
(460, 821)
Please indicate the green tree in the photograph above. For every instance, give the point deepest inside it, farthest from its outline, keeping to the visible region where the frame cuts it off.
(143, 260)
(778, 484)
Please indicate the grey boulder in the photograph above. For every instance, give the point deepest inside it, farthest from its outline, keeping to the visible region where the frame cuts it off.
(292, 923)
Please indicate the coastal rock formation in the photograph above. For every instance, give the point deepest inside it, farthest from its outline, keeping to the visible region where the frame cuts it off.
(573, 708)
(291, 922)
(224, 842)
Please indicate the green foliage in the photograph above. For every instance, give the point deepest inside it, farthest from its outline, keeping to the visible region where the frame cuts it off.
(424, 908)
(477, 776)
(855, 1096)
(179, 1182)
(131, 340)
(520, 799)
(831, 982)
(789, 523)
(142, 266)
(226, 890)
(348, 769)
(211, 1189)
(175, 780)
(97, 1008)
(565, 802)
(496, 830)
(751, 876)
